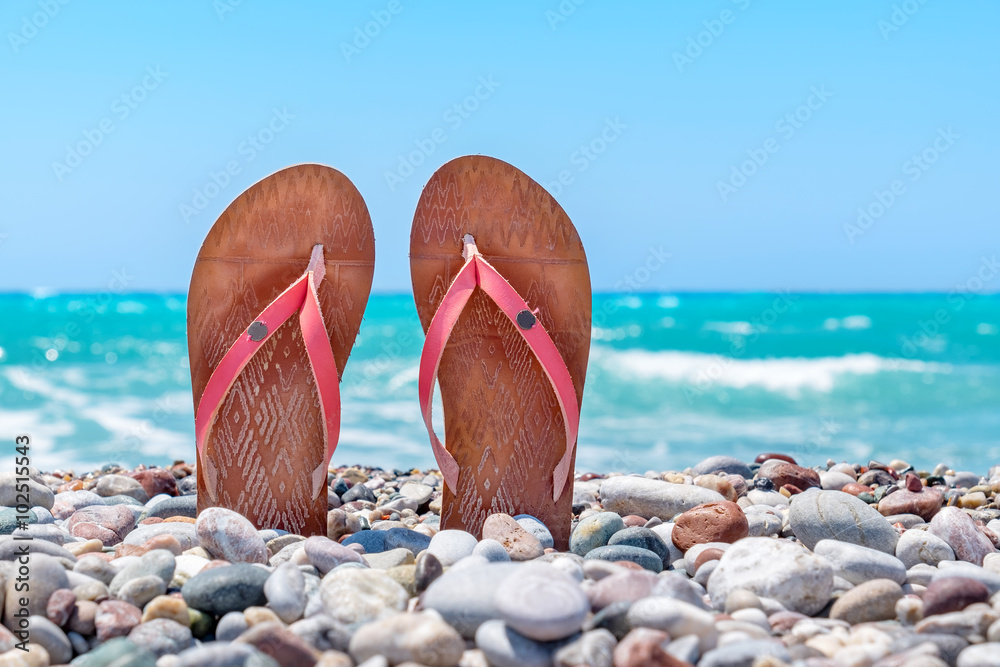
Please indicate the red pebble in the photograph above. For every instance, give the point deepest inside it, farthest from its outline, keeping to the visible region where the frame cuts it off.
(772, 455)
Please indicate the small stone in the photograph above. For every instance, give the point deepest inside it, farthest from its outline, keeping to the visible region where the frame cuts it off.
(953, 594)
(492, 551)
(798, 579)
(519, 543)
(229, 535)
(740, 599)
(674, 617)
(859, 564)
(536, 528)
(650, 497)
(120, 485)
(257, 615)
(285, 591)
(591, 649)
(542, 603)
(594, 531)
(960, 532)
(141, 590)
(465, 598)
(427, 569)
(450, 546)
(60, 606)
(167, 607)
(325, 554)
(373, 541)
(116, 618)
(158, 563)
(355, 595)
(181, 506)
(726, 464)
(644, 538)
(231, 626)
(421, 638)
(924, 502)
(757, 652)
(782, 473)
(644, 646)
(82, 619)
(186, 534)
(40, 494)
(818, 515)
(624, 586)
(419, 493)
(224, 589)
(162, 636)
(405, 538)
(980, 655)
(156, 481)
(284, 646)
(868, 602)
(48, 635)
(721, 521)
(921, 546)
(505, 647)
(389, 559)
(110, 524)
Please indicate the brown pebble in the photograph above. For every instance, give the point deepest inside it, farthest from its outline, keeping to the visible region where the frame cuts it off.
(587, 476)
(792, 489)
(116, 618)
(643, 647)
(156, 481)
(707, 555)
(516, 541)
(81, 619)
(286, 647)
(150, 520)
(179, 519)
(633, 520)
(719, 521)
(913, 483)
(924, 503)
(171, 607)
(953, 594)
(168, 542)
(60, 606)
(626, 586)
(854, 488)
(783, 621)
(790, 474)
(129, 550)
(772, 455)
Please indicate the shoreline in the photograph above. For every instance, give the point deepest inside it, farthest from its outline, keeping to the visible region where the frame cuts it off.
(726, 563)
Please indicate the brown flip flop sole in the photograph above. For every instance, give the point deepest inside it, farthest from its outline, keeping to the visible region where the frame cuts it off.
(503, 424)
(268, 438)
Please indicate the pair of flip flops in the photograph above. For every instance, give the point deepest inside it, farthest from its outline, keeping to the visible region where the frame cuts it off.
(502, 288)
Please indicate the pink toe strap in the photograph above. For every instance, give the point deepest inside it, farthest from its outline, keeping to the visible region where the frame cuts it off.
(300, 296)
(478, 272)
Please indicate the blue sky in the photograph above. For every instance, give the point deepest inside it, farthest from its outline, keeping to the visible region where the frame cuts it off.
(738, 137)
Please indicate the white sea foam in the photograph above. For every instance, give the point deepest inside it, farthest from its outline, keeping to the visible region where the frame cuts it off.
(731, 328)
(668, 301)
(788, 375)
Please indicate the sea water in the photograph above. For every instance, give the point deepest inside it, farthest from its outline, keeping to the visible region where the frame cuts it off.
(672, 379)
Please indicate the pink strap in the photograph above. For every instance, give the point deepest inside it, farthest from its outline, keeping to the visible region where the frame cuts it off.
(299, 296)
(478, 272)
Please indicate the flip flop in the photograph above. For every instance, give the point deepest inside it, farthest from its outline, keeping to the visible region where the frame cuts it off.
(265, 382)
(502, 287)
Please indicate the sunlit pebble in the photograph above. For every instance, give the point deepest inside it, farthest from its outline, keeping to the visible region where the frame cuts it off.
(111, 357)
(51, 354)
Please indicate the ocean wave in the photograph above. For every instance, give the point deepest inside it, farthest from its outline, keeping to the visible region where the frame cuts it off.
(731, 328)
(789, 375)
(855, 322)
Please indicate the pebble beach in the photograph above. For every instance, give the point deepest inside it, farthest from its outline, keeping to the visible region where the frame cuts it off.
(730, 563)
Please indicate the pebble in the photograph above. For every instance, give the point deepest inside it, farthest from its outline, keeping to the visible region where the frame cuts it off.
(504, 647)
(726, 464)
(325, 554)
(536, 528)
(224, 589)
(465, 598)
(120, 485)
(953, 594)
(518, 542)
(141, 590)
(40, 494)
(541, 602)
(754, 652)
(389, 559)
(644, 538)
(158, 563)
(591, 649)
(492, 551)
(357, 595)
(922, 546)
(404, 538)
(776, 569)
(782, 473)
(981, 655)
(818, 515)
(924, 503)
(281, 644)
(168, 607)
(623, 586)
(422, 638)
(162, 636)
(185, 506)
(450, 546)
(859, 564)
(958, 529)
(185, 533)
(115, 618)
(285, 592)
(594, 531)
(156, 481)
(48, 635)
(419, 493)
(110, 524)
(868, 602)
(644, 646)
(650, 497)
(228, 535)
(721, 521)
(47, 576)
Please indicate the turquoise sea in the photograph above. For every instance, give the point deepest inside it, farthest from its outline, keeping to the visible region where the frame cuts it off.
(673, 378)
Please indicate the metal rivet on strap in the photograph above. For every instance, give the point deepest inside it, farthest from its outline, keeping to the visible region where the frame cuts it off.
(526, 319)
(257, 331)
